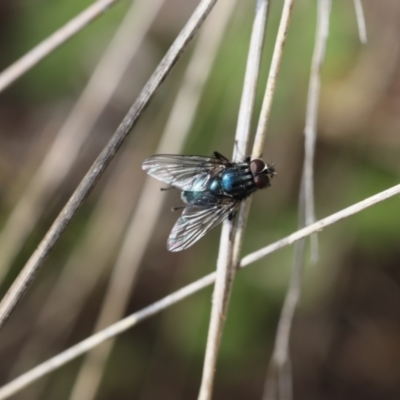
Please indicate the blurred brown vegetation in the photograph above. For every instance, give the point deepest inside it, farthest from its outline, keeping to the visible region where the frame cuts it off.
(346, 336)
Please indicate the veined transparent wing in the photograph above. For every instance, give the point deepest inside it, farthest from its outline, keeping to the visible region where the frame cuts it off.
(196, 221)
(191, 173)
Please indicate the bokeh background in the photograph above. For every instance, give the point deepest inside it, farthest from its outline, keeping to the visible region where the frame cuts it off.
(346, 335)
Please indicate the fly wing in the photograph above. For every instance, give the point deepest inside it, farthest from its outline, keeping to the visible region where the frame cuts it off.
(196, 220)
(191, 173)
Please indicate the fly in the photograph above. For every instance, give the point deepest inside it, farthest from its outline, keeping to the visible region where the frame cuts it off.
(211, 188)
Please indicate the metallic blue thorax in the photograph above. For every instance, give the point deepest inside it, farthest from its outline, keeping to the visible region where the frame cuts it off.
(236, 181)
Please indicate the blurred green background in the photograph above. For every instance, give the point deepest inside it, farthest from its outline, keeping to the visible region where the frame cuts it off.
(346, 335)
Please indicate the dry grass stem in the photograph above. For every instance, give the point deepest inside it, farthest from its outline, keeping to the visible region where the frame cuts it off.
(33, 265)
(62, 154)
(30, 59)
(143, 222)
(362, 28)
(100, 337)
(277, 381)
(84, 268)
(320, 225)
(272, 79)
(228, 251)
(244, 121)
(181, 294)
(250, 80)
(310, 131)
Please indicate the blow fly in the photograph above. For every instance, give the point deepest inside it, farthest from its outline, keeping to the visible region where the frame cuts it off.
(212, 189)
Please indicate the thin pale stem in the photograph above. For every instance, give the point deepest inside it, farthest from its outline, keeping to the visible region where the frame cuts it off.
(310, 131)
(100, 337)
(272, 79)
(222, 288)
(30, 59)
(280, 357)
(244, 122)
(57, 163)
(77, 279)
(63, 152)
(226, 265)
(155, 308)
(251, 79)
(33, 265)
(362, 28)
(320, 225)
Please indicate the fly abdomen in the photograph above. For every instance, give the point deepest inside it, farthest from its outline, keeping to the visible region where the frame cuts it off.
(200, 199)
(188, 197)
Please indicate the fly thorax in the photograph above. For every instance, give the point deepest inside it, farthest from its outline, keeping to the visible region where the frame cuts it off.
(237, 181)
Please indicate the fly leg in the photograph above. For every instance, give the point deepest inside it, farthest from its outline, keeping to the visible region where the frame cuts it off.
(169, 188)
(219, 156)
(177, 208)
(232, 215)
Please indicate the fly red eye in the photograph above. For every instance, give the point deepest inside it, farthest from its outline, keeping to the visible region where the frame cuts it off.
(257, 166)
(261, 181)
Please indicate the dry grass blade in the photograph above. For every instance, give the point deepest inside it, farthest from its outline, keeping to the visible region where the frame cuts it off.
(320, 225)
(143, 222)
(230, 250)
(33, 265)
(307, 214)
(155, 308)
(362, 29)
(30, 59)
(251, 79)
(227, 261)
(263, 120)
(272, 79)
(63, 153)
(100, 337)
(280, 361)
(84, 268)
